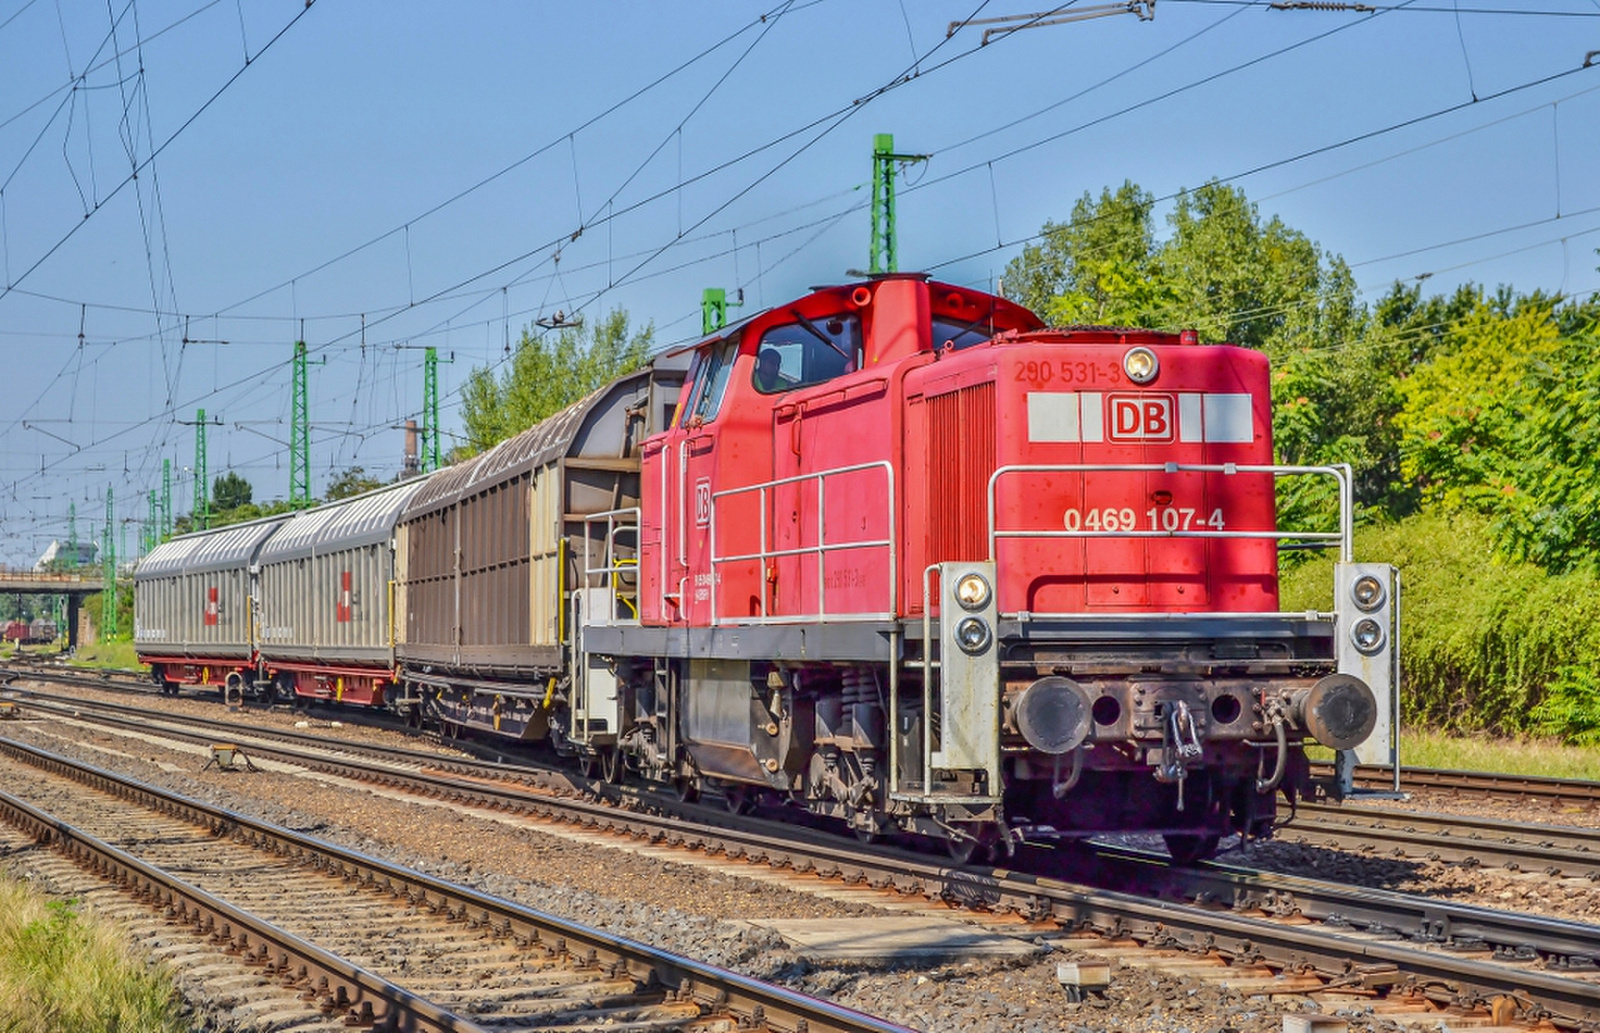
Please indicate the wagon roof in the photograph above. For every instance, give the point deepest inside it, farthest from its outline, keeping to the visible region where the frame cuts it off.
(349, 523)
(545, 442)
(221, 549)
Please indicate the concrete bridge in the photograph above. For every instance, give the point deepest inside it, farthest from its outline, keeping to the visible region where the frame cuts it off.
(75, 586)
(26, 582)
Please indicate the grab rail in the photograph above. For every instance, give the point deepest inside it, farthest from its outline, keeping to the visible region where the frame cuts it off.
(610, 569)
(1339, 472)
(820, 549)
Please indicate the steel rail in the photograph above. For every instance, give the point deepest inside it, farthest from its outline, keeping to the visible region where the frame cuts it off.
(1515, 846)
(143, 717)
(364, 997)
(715, 990)
(1554, 850)
(1341, 955)
(1484, 785)
(1557, 943)
(1557, 850)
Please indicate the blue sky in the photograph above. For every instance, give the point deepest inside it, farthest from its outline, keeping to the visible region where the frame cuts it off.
(443, 174)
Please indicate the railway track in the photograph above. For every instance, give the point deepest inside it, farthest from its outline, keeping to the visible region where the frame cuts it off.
(1558, 850)
(1477, 785)
(1470, 785)
(431, 955)
(1566, 851)
(1418, 950)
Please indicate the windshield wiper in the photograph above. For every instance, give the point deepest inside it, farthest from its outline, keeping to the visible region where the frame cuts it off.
(819, 335)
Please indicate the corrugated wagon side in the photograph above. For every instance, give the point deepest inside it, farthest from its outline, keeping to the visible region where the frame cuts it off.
(327, 627)
(490, 551)
(195, 606)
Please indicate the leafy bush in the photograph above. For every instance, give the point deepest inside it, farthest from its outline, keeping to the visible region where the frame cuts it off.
(1488, 644)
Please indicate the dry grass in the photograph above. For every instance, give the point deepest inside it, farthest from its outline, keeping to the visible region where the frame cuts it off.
(1542, 757)
(64, 972)
(1506, 756)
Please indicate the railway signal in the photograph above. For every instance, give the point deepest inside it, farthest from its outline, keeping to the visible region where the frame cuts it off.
(714, 306)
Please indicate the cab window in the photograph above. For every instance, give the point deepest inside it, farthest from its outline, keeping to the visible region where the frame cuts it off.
(956, 335)
(807, 352)
(712, 367)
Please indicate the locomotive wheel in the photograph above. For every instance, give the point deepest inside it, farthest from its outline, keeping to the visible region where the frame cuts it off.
(1187, 848)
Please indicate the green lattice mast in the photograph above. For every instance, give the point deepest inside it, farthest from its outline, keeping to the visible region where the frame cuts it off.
(430, 410)
(108, 567)
(884, 162)
(299, 433)
(202, 491)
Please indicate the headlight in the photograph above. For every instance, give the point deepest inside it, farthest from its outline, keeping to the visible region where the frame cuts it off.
(1141, 366)
(1368, 592)
(1367, 635)
(972, 592)
(973, 635)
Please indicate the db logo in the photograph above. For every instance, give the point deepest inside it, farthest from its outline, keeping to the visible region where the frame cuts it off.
(1141, 417)
(702, 502)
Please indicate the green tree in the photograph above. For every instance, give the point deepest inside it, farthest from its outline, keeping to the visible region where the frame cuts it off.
(546, 376)
(1098, 267)
(353, 481)
(230, 491)
(243, 514)
(1507, 425)
(1260, 284)
(1222, 271)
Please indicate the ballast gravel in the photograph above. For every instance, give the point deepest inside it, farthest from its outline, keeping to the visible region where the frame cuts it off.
(705, 914)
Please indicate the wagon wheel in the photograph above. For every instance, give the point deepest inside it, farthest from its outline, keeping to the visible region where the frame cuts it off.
(588, 765)
(1187, 848)
(687, 788)
(612, 768)
(739, 798)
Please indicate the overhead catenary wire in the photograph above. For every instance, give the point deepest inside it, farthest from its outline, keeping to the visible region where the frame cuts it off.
(750, 279)
(133, 176)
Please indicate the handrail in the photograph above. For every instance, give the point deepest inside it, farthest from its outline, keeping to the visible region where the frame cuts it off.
(610, 567)
(820, 549)
(1340, 472)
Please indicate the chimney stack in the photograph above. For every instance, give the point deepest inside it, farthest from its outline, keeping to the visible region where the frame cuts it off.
(409, 466)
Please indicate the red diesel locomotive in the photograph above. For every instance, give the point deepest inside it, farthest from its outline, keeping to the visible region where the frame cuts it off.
(906, 557)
